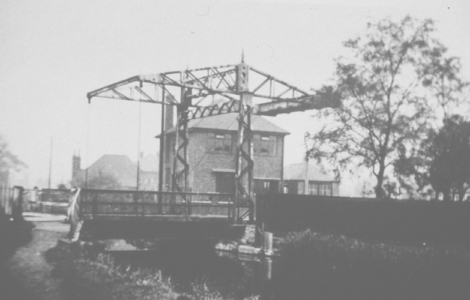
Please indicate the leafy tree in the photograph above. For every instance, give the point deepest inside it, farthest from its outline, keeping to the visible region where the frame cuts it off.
(61, 186)
(8, 162)
(442, 76)
(446, 158)
(384, 110)
(99, 180)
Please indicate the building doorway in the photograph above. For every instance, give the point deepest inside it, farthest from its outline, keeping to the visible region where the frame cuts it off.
(225, 183)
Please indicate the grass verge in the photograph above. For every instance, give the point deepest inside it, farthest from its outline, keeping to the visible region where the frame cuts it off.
(13, 234)
(90, 274)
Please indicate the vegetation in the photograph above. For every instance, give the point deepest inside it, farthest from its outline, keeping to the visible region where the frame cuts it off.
(62, 186)
(8, 162)
(92, 275)
(443, 160)
(331, 267)
(449, 153)
(392, 83)
(12, 236)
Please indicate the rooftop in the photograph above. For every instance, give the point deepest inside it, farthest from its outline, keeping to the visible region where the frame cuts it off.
(229, 122)
(315, 173)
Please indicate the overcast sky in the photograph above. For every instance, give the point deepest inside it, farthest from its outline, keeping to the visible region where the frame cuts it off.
(53, 52)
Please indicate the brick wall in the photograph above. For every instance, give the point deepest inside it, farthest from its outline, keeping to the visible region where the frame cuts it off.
(203, 160)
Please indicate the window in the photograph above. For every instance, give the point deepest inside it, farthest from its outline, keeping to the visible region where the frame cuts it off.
(325, 189)
(223, 143)
(266, 185)
(312, 188)
(263, 144)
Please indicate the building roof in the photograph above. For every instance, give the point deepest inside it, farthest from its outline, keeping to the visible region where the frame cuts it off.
(113, 163)
(315, 173)
(123, 169)
(119, 166)
(229, 122)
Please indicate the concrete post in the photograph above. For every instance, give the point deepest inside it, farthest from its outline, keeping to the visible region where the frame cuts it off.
(17, 203)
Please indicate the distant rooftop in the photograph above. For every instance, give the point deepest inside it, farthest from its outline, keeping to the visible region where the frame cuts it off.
(116, 163)
(315, 173)
(123, 164)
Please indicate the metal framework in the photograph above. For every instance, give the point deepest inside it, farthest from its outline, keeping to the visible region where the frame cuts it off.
(204, 92)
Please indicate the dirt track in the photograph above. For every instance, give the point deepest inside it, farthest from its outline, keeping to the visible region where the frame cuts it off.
(26, 274)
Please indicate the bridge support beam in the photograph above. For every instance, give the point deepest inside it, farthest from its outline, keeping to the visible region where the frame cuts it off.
(244, 165)
(218, 81)
(180, 163)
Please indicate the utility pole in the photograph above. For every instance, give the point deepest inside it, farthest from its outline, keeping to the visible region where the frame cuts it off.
(306, 176)
(306, 192)
(50, 164)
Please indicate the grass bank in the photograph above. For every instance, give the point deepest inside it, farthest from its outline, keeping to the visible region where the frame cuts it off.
(330, 267)
(90, 274)
(12, 236)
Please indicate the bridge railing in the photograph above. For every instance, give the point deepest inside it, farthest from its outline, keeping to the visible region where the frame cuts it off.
(125, 204)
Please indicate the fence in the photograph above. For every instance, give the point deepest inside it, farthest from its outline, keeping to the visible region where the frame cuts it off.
(6, 196)
(53, 195)
(11, 202)
(404, 220)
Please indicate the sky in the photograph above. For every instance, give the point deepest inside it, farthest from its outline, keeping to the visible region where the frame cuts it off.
(53, 52)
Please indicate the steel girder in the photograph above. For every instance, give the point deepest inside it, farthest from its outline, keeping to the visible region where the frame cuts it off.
(239, 88)
(180, 162)
(244, 165)
(222, 81)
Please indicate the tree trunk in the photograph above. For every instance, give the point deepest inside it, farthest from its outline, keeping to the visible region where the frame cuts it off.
(379, 191)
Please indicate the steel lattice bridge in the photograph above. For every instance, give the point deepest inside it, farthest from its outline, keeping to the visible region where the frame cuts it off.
(203, 92)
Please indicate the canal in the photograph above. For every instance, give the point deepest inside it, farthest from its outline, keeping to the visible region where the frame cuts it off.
(194, 263)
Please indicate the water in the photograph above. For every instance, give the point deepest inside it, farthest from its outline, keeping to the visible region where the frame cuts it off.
(189, 262)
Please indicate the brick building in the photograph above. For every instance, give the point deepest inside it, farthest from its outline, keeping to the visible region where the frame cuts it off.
(211, 154)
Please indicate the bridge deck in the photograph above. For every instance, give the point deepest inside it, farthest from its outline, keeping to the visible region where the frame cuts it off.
(158, 218)
(140, 213)
(90, 204)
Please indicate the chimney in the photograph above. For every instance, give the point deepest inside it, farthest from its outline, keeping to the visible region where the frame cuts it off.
(76, 160)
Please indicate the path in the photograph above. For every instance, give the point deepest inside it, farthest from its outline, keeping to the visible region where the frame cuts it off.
(28, 266)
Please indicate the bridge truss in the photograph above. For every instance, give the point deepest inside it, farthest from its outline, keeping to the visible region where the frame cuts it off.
(210, 91)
